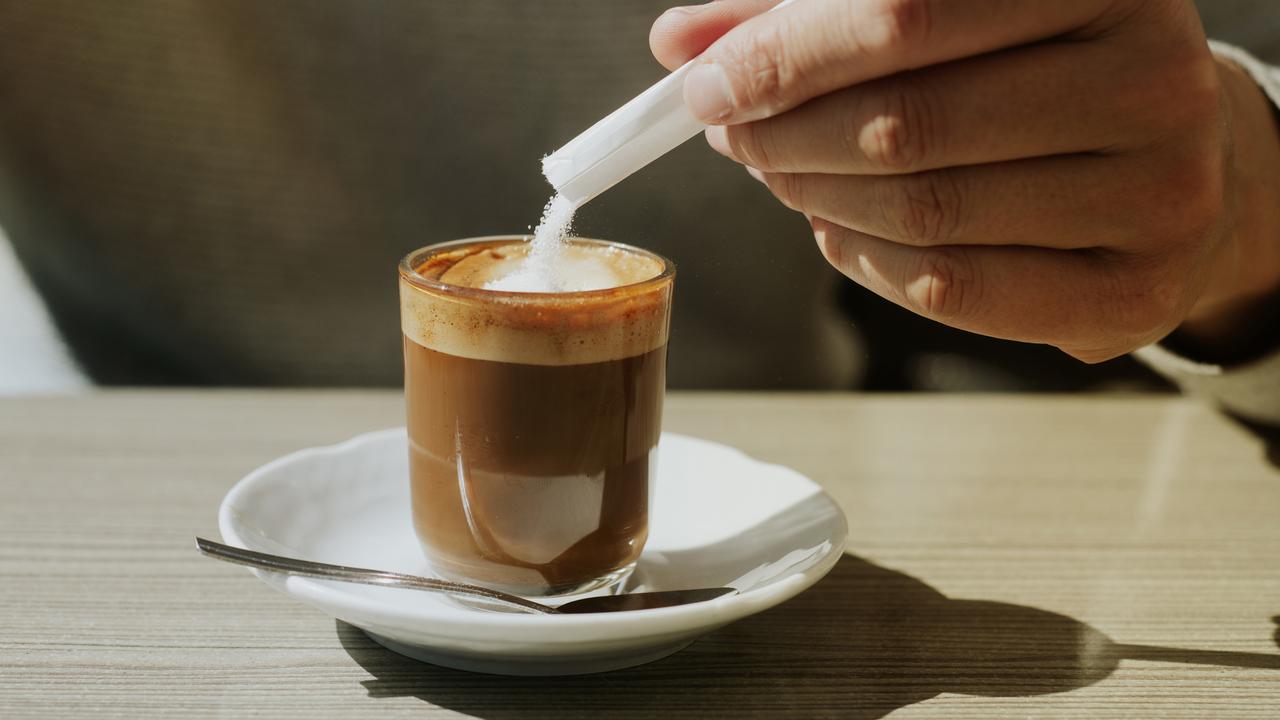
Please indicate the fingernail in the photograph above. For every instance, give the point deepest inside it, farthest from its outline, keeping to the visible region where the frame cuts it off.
(759, 176)
(707, 93)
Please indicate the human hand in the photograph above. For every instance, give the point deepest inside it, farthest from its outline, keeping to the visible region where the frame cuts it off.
(1083, 174)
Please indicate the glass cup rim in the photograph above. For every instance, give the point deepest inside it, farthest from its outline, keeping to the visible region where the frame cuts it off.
(409, 273)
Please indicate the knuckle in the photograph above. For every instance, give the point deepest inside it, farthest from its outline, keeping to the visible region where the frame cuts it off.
(928, 209)
(944, 285)
(1190, 74)
(898, 137)
(1202, 200)
(754, 143)
(1176, 94)
(901, 24)
(1146, 299)
(788, 188)
(1160, 307)
(765, 75)
(1187, 206)
(831, 246)
(1136, 317)
(1198, 85)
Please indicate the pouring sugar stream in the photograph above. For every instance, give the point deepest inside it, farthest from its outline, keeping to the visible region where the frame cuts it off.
(646, 128)
(641, 131)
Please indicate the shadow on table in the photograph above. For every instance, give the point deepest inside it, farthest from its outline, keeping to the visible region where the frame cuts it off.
(1268, 434)
(863, 642)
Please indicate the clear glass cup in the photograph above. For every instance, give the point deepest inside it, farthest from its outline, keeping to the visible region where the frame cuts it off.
(533, 418)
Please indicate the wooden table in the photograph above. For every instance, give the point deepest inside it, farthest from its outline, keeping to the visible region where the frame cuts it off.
(1009, 557)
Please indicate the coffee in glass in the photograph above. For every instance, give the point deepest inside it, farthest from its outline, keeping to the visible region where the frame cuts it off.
(533, 418)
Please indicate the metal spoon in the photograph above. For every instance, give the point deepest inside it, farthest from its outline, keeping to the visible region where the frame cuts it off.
(325, 571)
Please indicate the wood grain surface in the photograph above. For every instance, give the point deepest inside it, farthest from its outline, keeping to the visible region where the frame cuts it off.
(1009, 557)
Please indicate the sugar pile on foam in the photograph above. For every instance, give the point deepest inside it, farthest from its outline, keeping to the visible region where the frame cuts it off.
(540, 270)
(548, 267)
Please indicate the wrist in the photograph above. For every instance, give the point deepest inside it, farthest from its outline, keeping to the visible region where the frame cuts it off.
(1236, 314)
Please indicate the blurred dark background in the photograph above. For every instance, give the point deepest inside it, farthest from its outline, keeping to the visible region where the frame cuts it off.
(216, 192)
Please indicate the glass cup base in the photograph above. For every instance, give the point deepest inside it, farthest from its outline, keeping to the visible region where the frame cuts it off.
(608, 584)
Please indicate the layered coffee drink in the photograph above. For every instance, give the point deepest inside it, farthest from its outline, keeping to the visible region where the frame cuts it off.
(533, 417)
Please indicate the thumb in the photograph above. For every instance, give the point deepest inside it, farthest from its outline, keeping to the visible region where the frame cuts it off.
(681, 33)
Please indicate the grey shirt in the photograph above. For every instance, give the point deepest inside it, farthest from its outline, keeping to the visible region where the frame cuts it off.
(217, 191)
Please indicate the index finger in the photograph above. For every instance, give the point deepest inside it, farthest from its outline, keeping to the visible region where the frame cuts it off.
(681, 33)
(778, 60)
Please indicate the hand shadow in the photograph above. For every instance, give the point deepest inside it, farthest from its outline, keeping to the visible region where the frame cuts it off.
(1268, 434)
(863, 642)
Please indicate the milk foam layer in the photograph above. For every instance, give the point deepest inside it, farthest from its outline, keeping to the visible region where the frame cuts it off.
(619, 306)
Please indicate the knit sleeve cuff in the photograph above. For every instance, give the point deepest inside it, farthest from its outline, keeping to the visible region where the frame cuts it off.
(1251, 390)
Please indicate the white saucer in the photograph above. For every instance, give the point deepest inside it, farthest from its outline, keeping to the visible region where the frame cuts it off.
(718, 518)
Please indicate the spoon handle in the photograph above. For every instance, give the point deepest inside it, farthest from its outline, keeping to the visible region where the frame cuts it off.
(343, 573)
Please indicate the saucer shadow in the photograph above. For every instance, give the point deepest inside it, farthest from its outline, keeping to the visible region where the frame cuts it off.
(863, 642)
